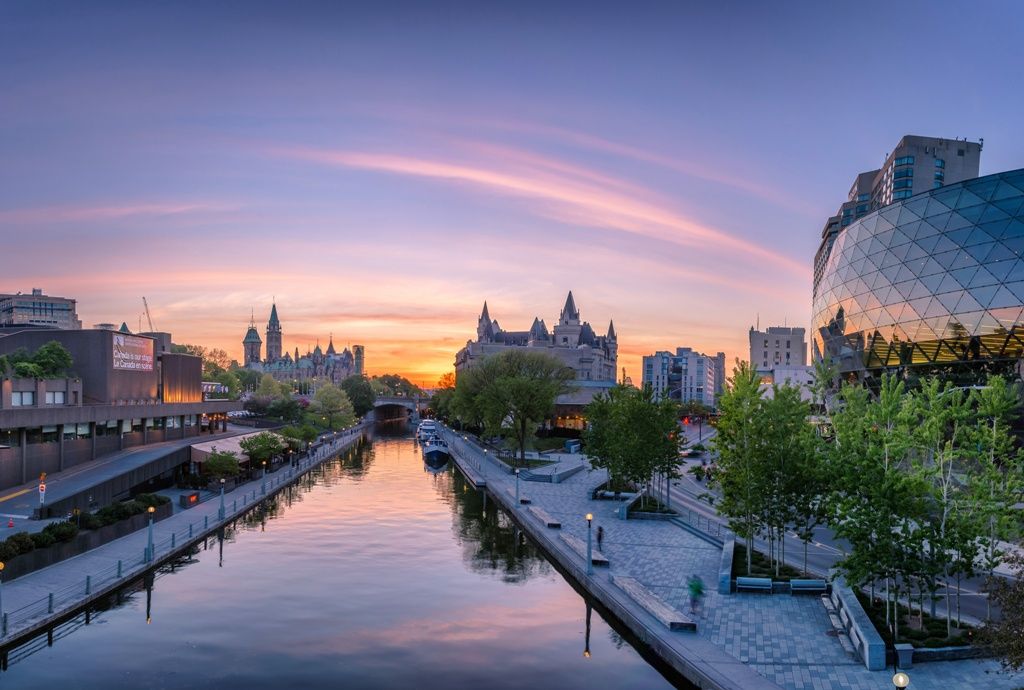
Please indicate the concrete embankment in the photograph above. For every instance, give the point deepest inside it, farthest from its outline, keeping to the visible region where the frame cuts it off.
(700, 662)
(40, 599)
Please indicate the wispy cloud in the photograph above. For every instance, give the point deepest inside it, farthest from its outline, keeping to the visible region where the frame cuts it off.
(585, 202)
(66, 214)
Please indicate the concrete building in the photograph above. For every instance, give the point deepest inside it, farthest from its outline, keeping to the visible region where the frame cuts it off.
(916, 165)
(123, 391)
(800, 377)
(685, 376)
(778, 346)
(37, 309)
(592, 357)
(317, 364)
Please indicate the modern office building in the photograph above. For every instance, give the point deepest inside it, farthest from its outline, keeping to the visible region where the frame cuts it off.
(917, 164)
(122, 391)
(592, 357)
(778, 346)
(931, 282)
(37, 309)
(686, 375)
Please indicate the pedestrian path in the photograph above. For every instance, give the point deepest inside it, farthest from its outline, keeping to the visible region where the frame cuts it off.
(777, 640)
(34, 600)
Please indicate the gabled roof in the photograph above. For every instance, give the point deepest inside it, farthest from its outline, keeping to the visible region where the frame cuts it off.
(252, 336)
(569, 311)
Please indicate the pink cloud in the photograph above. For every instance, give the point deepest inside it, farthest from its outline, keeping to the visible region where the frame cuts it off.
(64, 214)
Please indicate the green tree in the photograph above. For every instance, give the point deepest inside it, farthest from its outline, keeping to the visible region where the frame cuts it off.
(740, 447)
(53, 360)
(331, 403)
(262, 447)
(360, 394)
(1005, 636)
(221, 463)
(512, 392)
(633, 437)
(269, 388)
(230, 380)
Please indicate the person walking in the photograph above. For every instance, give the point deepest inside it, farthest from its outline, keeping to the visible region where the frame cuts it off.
(600, 536)
(696, 587)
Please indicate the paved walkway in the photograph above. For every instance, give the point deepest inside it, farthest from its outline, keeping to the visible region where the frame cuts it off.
(26, 600)
(781, 637)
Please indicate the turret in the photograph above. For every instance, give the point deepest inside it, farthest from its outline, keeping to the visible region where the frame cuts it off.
(273, 335)
(484, 330)
(251, 345)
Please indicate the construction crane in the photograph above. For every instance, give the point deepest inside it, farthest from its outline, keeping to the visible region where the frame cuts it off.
(152, 329)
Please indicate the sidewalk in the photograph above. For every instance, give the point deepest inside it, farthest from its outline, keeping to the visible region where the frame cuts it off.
(778, 640)
(35, 599)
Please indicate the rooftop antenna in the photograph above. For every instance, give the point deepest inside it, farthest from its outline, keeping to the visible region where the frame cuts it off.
(759, 321)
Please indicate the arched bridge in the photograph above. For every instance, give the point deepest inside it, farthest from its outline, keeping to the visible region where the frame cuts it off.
(414, 405)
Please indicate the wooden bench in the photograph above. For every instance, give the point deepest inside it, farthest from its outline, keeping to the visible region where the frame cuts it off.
(813, 586)
(522, 498)
(755, 584)
(546, 519)
(669, 616)
(580, 547)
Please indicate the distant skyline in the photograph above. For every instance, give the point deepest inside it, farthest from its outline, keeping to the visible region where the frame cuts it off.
(382, 172)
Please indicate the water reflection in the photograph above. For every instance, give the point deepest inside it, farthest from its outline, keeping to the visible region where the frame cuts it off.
(368, 573)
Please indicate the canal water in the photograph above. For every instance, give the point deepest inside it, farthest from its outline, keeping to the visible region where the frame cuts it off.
(372, 573)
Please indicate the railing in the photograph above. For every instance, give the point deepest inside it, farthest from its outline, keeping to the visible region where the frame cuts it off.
(61, 601)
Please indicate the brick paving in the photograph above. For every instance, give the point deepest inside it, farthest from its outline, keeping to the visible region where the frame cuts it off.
(783, 638)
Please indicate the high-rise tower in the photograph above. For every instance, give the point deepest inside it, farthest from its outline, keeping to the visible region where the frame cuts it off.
(273, 335)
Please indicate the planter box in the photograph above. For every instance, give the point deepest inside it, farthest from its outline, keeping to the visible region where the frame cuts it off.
(83, 541)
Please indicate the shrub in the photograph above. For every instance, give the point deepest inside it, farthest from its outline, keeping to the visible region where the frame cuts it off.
(155, 500)
(43, 539)
(21, 542)
(7, 551)
(90, 521)
(62, 531)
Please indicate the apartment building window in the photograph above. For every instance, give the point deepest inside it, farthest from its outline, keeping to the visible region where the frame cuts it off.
(906, 183)
(787, 344)
(939, 175)
(959, 152)
(55, 397)
(905, 160)
(863, 197)
(863, 208)
(23, 399)
(937, 184)
(903, 194)
(903, 172)
(939, 163)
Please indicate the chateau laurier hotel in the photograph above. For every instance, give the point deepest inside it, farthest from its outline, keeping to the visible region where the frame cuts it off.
(593, 357)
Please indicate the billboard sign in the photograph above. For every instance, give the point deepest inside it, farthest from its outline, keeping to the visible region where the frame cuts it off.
(132, 353)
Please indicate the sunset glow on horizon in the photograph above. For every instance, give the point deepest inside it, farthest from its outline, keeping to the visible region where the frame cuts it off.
(379, 175)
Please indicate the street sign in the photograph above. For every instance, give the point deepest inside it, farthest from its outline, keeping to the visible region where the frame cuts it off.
(42, 492)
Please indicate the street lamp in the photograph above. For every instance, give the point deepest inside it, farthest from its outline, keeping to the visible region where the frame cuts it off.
(263, 484)
(901, 680)
(590, 560)
(149, 549)
(2, 595)
(220, 511)
(517, 487)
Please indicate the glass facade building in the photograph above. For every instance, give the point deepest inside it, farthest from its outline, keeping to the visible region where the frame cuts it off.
(933, 280)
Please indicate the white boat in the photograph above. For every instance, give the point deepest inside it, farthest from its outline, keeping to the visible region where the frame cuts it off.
(427, 429)
(435, 452)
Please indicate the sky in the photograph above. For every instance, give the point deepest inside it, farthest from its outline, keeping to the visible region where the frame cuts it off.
(382, 170)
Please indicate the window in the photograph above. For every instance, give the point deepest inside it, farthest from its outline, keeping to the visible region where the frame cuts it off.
(903, 194)
(903, 172)
(939, 175)
(937, 184)
(787, 344)
(847, 212)
(23, 399)
(905, 160)
(862, 208)
(939, 163)
(863, 197)
(959, 152)
(55, 397)
(902, 184)
(847, 221)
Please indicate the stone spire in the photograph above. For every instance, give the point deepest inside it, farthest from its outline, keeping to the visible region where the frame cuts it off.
(569, 311)
(611, 330)
(484, 330)
(330, 346)
(273, 335)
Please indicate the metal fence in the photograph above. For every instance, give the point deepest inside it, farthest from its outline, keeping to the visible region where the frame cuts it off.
(64, 600)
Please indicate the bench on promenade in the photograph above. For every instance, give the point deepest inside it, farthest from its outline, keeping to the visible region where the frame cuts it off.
(813, 586)
(580, 547)
(522, 498)
(669, 616)
(754, 584)
(546, 519)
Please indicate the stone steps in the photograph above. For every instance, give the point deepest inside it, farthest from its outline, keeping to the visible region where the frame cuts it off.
(669, 616)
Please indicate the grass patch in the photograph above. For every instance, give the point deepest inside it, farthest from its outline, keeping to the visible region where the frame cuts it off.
(549, 443)
(760, 567)
(928, 633)
(649, 504)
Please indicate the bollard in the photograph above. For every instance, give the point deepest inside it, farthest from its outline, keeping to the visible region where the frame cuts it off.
(206, 521)
(88, 584)
(234, 505)
(119, 568)
(190, 530)
(4, 631)
(50, 604)
(172, 540)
